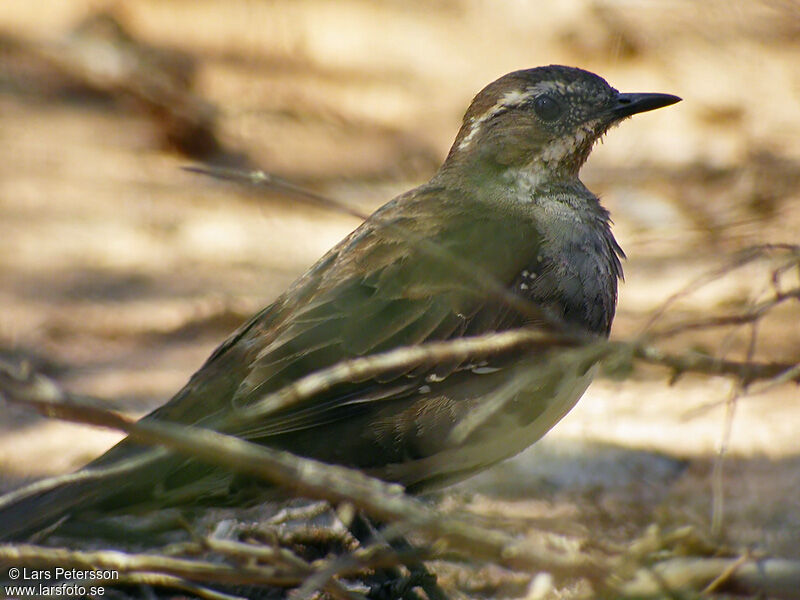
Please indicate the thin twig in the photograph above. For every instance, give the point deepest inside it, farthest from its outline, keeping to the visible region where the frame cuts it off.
(741, 259)
(717, 474)
(771, 577)
(726, 575)
(750, 316)
(262, 179)
(703, 364)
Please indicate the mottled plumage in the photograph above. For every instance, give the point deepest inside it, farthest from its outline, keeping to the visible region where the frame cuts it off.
(508, 203)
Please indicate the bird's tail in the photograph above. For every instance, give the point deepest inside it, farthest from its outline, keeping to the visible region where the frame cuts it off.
(46, 503)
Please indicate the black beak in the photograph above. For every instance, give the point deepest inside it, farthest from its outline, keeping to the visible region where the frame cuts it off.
(631, 104)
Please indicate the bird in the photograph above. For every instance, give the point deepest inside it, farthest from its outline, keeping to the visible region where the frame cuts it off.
(504, 235)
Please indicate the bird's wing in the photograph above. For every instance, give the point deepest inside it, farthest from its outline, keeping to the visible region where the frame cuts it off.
(377, 290)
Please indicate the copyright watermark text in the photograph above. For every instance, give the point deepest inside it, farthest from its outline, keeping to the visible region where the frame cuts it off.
(22, 582)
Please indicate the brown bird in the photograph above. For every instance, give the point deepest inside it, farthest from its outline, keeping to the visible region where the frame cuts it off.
(508, 203)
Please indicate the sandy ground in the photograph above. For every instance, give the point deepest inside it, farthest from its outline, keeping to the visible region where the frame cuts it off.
(119, 272)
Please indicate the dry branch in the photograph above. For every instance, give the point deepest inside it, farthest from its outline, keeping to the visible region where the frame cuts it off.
(358, 369)
(310, 478)
(746, 372)
(518, 339)
(337, 484)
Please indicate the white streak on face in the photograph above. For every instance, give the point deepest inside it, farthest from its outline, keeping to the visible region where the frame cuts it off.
(510, 99)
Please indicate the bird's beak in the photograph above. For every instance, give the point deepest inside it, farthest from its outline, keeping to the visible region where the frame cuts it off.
(631, 104)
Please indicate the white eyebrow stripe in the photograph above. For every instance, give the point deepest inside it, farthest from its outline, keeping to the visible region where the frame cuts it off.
(510, 99)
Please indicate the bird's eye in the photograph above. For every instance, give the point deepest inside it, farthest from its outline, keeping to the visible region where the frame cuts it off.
(547, 108)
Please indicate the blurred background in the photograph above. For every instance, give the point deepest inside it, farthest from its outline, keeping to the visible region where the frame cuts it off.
(120, 272)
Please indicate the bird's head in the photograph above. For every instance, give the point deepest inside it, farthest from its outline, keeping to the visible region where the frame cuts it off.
(543, 120)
